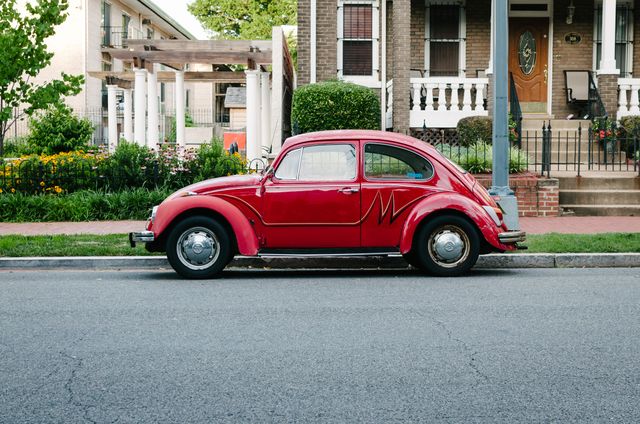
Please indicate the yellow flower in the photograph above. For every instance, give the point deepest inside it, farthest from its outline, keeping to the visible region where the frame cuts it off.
(41, 183)
(13, 190)
(57, 189)
(0, 190)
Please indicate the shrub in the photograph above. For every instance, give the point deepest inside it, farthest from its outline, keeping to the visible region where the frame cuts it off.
(58, 130)
(51, 173)
(16, 147)
(80, 206)
(480, 128)
(475, 129)
(211, 160)
(478, 157)
(628, 129)
(334, 105)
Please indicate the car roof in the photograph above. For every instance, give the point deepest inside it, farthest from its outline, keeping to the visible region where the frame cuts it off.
(356, 135)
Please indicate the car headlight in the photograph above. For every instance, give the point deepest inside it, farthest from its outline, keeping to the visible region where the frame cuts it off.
(154, 211)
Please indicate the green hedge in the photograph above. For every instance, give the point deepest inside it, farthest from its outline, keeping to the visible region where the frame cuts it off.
(334, 105)
(80, 206)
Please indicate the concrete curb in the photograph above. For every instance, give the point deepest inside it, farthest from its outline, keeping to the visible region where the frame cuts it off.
(519, 260)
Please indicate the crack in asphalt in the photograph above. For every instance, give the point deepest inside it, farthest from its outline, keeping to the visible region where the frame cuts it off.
(73, 399)
(472, 362)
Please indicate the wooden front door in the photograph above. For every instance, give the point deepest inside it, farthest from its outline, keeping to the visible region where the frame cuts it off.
(528, 59)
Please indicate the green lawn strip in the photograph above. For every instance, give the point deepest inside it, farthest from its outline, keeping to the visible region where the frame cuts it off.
(118, 244)
(69, 245)
(583, 243)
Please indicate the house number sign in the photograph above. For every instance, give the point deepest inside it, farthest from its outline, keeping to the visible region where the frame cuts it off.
(573, 38)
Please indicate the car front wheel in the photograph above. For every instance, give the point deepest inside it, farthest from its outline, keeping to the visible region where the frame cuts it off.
(198, 247)
(447, 246)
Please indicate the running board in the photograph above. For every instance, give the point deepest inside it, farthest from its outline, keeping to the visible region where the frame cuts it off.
(324, 253)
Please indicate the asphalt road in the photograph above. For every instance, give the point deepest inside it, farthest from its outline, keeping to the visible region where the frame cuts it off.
(497, 346)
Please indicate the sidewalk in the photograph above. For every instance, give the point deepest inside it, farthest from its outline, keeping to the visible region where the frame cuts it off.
(565, 225)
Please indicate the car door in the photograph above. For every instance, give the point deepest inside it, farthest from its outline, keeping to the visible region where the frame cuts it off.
(394, 178)
(313, 199)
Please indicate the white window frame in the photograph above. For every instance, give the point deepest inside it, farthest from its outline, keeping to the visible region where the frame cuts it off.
(462, 34)
(630, 38)
(373, 80)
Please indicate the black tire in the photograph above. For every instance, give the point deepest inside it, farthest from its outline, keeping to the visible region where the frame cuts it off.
(198, 247)
(411, 259)
(447, 246)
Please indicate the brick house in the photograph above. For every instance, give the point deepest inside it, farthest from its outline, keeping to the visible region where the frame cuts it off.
(431, 49)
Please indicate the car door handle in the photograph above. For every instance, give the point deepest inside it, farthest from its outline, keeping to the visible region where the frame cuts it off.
(348, 190)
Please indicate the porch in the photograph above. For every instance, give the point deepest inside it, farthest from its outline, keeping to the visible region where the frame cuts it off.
(440, 102)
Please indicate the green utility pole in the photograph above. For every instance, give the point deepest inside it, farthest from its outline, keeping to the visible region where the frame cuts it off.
(500, 178)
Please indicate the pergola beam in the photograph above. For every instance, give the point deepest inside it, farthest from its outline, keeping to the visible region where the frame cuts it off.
(191, 56)
(124, 77)
(236, 46)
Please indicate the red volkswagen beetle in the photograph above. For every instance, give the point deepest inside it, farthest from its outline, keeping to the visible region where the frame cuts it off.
(334, 193)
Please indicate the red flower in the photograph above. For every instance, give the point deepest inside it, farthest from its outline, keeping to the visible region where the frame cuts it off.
(601, 134)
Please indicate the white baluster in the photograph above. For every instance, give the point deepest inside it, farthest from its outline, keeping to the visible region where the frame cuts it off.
(389, 97)
(429, 100)
(622, 99)
(442, 97)
(466, 98)
(416, 95)
(634, 109)
(482, 92)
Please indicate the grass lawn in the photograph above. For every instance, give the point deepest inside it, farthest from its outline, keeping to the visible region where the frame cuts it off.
(118, 244)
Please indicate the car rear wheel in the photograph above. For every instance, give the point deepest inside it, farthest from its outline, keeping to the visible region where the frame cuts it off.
(447, 246)
(198, 247)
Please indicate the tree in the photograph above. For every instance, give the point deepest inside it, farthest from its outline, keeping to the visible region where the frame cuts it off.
(23, 54)
(245, 19)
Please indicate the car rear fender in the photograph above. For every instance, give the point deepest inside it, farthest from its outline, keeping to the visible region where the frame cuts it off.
(243, 232)
(457, 204)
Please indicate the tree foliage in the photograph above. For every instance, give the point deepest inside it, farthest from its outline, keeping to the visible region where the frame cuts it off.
(58, 130)
(23, 54)
(245, 19)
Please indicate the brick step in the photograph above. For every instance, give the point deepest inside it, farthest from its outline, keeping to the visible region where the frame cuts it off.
(600, 197)
(601, 183)
(601, 210)
(556, 124)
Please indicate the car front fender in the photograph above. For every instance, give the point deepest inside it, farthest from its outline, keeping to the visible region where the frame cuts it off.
(443, 202)
(170, 210)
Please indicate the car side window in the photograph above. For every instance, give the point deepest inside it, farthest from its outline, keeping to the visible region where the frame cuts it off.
(382, 161)
(288, 168)
(328, 162)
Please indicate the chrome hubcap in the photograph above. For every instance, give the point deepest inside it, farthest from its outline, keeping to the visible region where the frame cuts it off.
(448, 246)
(198, 248)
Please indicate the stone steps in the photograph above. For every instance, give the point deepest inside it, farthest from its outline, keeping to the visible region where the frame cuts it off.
(600, 196)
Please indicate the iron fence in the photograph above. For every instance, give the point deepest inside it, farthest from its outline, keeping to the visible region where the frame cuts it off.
(32, 177)
(549, 152)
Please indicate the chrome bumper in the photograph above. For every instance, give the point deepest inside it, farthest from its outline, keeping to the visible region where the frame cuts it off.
(141, 236)
(511, 237)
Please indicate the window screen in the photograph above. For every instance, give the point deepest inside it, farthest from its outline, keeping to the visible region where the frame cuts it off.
(357, 44)
(444, 41)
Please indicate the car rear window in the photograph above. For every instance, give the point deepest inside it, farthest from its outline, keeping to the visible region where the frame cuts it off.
(382, 161)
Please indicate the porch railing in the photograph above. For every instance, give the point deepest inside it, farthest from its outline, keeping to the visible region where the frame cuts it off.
(440, 102)
(628, 102)
(117, 36)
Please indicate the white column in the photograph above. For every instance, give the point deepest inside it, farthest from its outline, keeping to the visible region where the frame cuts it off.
(608, 58)
(265, 111)
(180, 105)
(152, 109)
(112, 110)
(128, 116)
(139, 105)
(253, 115)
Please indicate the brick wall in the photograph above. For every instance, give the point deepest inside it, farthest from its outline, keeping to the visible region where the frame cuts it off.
(304, 33)
(608, 89)
(478, 36)
(570, 56)
(537, 196)
(401, 64)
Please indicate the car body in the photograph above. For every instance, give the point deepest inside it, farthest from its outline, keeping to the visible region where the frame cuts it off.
(341, 192)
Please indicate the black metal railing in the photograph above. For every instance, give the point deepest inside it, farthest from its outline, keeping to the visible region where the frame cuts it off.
(117, 36)
(551, 152)
(515, 110)
(33, 177)
(595, 104)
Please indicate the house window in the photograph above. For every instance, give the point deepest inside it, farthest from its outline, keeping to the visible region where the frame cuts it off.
(105, 23)
(624, 38)
(126, 19)
(445, 39)
(358, 41)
